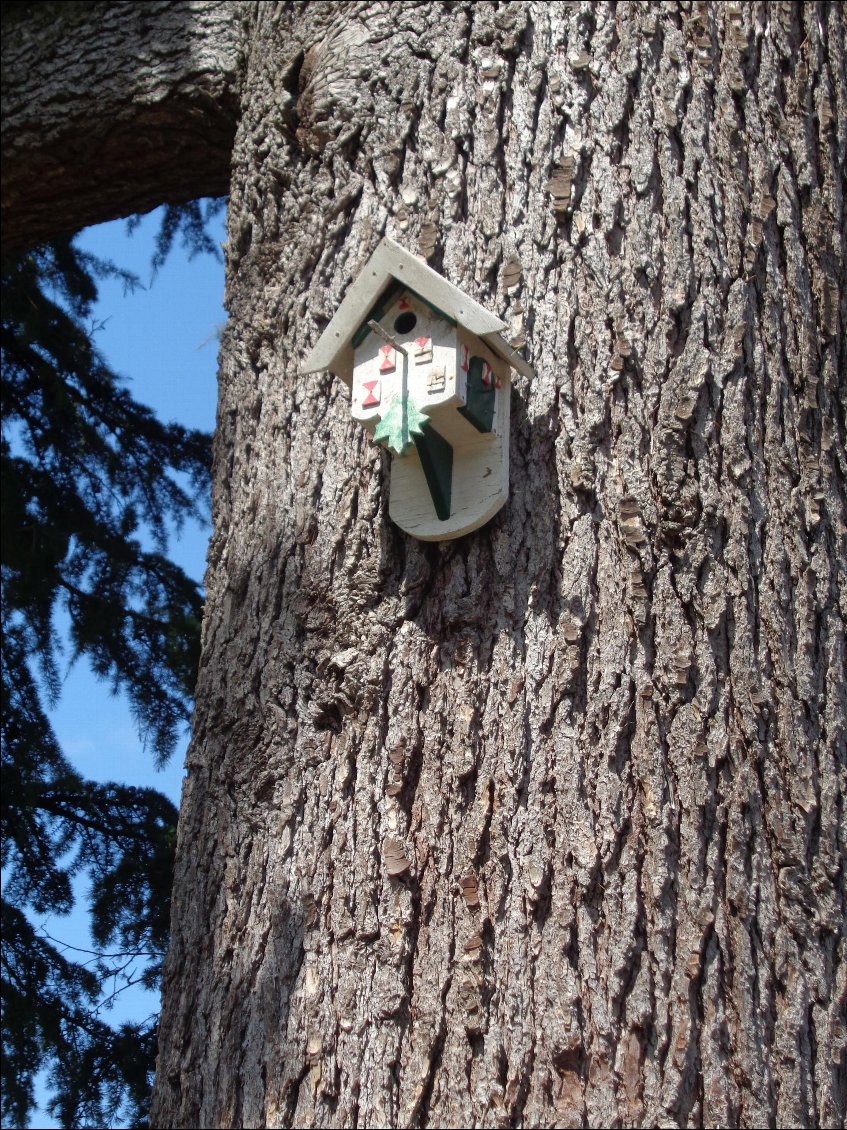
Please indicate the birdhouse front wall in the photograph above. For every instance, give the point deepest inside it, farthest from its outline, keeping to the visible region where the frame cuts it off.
(447, 372)
(427, 372)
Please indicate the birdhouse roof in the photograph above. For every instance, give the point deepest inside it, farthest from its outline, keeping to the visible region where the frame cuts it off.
(390, 262)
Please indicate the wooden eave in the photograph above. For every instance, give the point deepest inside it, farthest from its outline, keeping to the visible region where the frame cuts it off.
(334, 350)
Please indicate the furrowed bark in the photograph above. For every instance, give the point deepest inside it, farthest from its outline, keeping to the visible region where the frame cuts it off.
(607, 731)
(113, 109)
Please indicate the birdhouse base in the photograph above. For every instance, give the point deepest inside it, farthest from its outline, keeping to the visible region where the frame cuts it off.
(480, 487)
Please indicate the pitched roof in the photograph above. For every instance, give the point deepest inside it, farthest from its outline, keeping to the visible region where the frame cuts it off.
(334, 350)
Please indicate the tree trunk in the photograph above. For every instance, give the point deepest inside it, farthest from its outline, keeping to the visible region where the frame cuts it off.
(110, 109)
(607, 730)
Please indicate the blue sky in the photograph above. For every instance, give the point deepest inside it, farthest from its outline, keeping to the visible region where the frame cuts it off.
(164, 340)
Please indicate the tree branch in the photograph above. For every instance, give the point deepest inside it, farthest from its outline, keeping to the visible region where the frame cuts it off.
(113, 109)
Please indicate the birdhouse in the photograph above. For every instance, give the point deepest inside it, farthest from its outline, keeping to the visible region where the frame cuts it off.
(430, 379)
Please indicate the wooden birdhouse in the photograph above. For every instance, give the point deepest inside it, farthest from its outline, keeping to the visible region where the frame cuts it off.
(430, 378)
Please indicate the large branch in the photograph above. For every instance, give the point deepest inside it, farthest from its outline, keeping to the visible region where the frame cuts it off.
(111, 109)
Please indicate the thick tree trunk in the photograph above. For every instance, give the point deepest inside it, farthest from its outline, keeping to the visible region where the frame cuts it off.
(110, 109)
(608, 729)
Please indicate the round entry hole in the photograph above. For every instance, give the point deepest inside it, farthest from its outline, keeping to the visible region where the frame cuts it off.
(404, 323)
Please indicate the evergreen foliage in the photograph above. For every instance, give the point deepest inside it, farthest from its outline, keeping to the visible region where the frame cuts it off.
(188, 222)
(92, 483)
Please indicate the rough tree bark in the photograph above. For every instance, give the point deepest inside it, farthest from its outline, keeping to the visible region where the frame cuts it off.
(608, 731)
